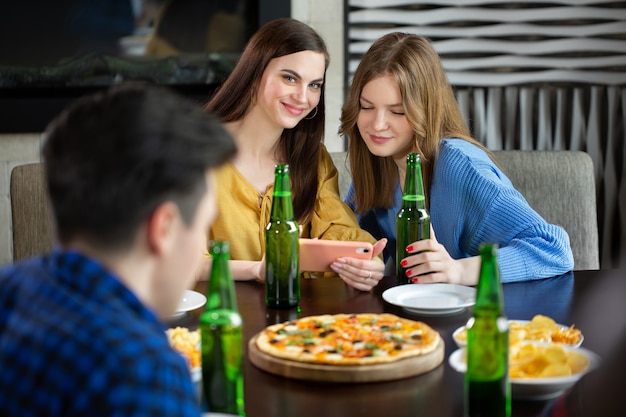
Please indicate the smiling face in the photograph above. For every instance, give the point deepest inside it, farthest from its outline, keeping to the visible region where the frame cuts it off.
(291, 87)
(382, 122)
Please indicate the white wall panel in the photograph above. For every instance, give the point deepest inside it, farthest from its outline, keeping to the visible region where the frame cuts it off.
(528, 75)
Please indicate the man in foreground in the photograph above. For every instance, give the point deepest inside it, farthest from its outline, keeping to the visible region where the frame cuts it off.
(130, 179)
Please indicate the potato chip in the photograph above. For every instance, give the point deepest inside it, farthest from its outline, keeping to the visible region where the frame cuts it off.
(539, 329)
(522, 352)
(556, 353)
(517, 333)
(556, 369)
(528, 360)
(536, 365)
(577, 362)
(532, 360)
(542, 322)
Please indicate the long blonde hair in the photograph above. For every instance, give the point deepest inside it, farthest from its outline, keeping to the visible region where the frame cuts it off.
(430, 108)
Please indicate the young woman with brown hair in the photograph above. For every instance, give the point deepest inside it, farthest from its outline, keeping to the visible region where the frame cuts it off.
(273, 105)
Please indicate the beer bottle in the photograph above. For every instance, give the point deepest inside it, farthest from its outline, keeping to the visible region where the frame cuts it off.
(282, 275)
(221, 336)
(487, 386)
(413, 220)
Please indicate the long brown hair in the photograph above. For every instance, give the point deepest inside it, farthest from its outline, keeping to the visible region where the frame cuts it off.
(301, 145)
(430, 108)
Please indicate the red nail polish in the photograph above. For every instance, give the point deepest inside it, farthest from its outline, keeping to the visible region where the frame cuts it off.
(404, 263)
(409, 248)
(414, 280)
(407, 272)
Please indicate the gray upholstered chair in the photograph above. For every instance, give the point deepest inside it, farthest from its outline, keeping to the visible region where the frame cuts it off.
(345, 176)
(30, 212)
(559, 185)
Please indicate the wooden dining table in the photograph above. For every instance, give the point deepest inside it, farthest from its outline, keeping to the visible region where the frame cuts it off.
(594, 301)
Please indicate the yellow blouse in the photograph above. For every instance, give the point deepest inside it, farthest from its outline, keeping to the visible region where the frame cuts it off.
(243, 212)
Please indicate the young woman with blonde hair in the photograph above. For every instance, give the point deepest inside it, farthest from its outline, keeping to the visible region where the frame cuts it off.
(400, 101)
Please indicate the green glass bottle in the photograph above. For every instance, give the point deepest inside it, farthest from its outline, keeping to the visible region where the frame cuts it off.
(221, 335)
(282, 275)
(487, 386)
(412, 220)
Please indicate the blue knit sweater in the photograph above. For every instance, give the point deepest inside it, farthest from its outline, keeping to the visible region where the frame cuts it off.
(471, 202)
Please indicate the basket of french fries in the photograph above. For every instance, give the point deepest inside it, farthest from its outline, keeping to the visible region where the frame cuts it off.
(187, 343)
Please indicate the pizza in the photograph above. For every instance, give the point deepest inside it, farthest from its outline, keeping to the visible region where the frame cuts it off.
(348, 339)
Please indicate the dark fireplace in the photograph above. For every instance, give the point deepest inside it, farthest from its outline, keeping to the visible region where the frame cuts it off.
(57, 51)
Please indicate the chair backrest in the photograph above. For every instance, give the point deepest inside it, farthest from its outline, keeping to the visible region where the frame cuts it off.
(30, 212)
(345, 175)
(560, 186)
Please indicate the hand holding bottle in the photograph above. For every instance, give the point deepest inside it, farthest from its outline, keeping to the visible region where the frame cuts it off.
(428, 261)
(420, 257)
(413, 219)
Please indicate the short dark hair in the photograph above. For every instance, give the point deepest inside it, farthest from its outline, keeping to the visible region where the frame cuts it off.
(111, 158)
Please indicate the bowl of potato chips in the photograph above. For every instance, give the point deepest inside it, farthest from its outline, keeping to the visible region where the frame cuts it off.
(540, 370)
(539, 329)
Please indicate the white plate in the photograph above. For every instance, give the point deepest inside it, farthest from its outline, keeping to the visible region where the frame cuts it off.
(431, 299)
(190, 301)
(461, 343)
(534, 388)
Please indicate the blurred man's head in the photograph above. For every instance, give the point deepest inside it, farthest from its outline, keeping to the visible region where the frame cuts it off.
(131, 169)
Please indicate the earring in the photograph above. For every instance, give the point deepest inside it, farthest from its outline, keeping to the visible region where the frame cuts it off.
(314, 114)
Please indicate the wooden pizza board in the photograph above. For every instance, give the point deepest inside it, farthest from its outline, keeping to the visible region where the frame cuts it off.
(403, 368)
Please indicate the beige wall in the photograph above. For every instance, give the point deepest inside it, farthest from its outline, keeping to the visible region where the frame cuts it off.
(325, 16)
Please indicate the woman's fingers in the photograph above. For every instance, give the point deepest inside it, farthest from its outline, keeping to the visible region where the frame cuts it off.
(379, 246)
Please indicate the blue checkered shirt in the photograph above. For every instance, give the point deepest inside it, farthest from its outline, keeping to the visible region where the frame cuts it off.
(74, 341)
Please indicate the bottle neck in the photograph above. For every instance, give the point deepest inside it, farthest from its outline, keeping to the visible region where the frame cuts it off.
(489, 291)
(413, 195)
(221, 289)
(282, 205)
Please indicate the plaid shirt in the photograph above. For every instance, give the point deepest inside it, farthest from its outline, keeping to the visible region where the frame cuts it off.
(75, 342)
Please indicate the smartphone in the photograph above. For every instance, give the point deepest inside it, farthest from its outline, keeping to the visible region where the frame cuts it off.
(316, 255)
